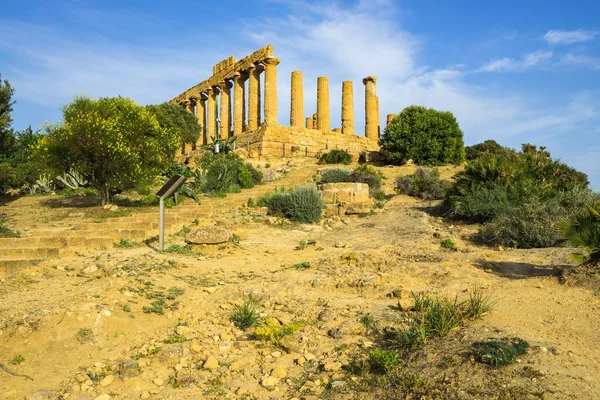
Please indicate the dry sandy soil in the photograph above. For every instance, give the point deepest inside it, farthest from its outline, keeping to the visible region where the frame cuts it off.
(79, 325)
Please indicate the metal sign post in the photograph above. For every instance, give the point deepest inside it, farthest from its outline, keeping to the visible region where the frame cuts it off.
(168, 189)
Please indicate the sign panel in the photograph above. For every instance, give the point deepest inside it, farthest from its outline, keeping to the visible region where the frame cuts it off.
(171, 186)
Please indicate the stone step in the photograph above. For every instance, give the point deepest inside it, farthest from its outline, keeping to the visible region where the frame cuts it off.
(102, 232)
(11, 265)
(33, 242)
(29, 253)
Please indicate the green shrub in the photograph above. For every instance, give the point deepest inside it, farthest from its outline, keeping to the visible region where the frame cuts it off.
(533, 222)
(272, 331)
(367, 174)
(246, 316)
(6, 232)
(582, 229)
(425, 183)
(425, 135)
(383, 360)
(448, 244)
(227, 173)
(498, 353)
(336, 157)
(334, 175)
(488, 146)
(301, 204)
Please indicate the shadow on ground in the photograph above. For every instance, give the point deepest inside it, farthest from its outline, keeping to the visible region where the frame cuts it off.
(520, 270)
(71, 201)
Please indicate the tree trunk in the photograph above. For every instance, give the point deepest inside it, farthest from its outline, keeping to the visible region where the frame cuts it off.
(104, 195)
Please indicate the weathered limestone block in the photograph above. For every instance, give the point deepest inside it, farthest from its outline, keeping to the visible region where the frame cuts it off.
(390, 118)
(371, 108)
(297, 101)
(323, 110)
(208, 235)
(271, 90)
(309, 122)
(345, 192)
(347, 108)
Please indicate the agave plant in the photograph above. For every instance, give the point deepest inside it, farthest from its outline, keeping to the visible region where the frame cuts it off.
(72, 179)
(583, 230)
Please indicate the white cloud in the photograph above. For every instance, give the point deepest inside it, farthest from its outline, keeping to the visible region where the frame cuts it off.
(581, 60)
(507, 64)
(569, 37)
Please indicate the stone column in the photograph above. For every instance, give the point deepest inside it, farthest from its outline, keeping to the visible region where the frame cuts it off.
(390, 118)
(211, 108)
(253, 103)
(309, 122)
(271, 90)
(259, 117)
(297, 104)
(347, 108)
(187, 147)
(201, 117)
(225, 126)
(323, 116)
(314, 121)
(371, 109)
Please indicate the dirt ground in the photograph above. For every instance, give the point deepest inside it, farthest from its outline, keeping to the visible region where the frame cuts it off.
(89, 327)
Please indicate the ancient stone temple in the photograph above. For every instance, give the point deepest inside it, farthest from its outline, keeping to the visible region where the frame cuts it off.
(249, 111)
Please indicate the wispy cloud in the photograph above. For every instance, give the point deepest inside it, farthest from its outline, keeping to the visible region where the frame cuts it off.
(507, 64)
(569, 37)
(581, 60)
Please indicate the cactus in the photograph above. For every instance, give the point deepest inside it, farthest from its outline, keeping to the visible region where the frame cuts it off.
(72, 179)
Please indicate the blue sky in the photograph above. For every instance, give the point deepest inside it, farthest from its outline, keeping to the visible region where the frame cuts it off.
(513, 71)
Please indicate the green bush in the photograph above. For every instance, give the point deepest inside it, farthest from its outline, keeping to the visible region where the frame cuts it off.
(227, 173)
(448, 244)
(333, 175)
(534, 221)
(488, 146)
(301, 204)
(425, 183)
(519, 196)
(6, 232)
(424, 135)
(383, 360)
(367, 174)
(582, 229)
(336, 157)
(498, 353)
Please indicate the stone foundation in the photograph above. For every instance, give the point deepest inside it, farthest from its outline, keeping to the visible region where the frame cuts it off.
(294, 141)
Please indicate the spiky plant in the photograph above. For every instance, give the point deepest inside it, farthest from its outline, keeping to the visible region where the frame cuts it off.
(583, 230)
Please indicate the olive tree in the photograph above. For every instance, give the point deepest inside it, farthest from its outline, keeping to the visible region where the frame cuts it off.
(113, 142)
(424, 135)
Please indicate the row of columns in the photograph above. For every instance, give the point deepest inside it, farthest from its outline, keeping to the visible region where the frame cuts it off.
(212, 119)
(321, 119)
(208, 116)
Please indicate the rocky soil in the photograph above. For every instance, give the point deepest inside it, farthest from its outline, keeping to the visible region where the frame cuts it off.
(135, 323)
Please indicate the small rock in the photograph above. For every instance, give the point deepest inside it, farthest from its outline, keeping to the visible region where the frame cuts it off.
(208, 235)
(279, 372)
(335, 384)
(106, 313)
(183, 330)
(158, 381)
(341, 245)
(90, 270)
(107, 380)
(270, 381)
(211, 363)
(128, 369)
(332, 366)
(276, 354)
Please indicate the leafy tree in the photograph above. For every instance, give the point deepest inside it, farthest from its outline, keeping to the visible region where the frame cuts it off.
(425, 135)
(176, 118)
(113, 142)
(7, 137)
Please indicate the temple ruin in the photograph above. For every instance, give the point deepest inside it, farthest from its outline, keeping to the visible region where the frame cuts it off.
(251, 117)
